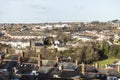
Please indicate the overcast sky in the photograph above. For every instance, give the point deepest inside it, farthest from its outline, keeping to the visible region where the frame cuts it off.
(27, 11)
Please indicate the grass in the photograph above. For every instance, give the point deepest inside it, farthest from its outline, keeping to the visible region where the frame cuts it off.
(102, 63)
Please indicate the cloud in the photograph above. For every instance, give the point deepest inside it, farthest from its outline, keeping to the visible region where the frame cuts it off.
(37, 7)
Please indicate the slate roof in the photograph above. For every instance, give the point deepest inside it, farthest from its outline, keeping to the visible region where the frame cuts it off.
(68, 66)
(45, 71)
(69, 71)
(48, 62)
(89, 68)
(110, 72)
(25, 68)
(2, 77)
(90, 75)
(70, 74)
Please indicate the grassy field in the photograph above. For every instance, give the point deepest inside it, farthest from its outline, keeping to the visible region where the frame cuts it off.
(102, 63)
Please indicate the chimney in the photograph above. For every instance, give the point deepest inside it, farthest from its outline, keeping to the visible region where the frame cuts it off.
(76, 62)
(118, 68)
(23, 54)
(32, 43)
(0, 58)
(39, 60)
(83, 68)
(19, 59)
(60, 67)
(5, 50)
(96, 65)
(57, 59)
(106, 66)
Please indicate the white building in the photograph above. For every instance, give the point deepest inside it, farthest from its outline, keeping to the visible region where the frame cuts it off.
(42, 27)
(61, 25)
(27, 37)
(17, 44)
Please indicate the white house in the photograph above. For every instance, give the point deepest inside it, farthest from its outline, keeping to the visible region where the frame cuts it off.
(17, 44)
(42, 27)
(61, 25)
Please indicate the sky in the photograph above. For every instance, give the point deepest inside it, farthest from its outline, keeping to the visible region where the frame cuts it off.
(37, 11)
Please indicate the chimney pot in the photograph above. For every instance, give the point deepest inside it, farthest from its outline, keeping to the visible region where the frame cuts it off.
(76, 62)
(19, 60)
(39, 60)
(118, 68)
(61, 67)
(83, 68)
(106, 66)
(22, 54)
(57, 59)
(0, 58)
(96, 65)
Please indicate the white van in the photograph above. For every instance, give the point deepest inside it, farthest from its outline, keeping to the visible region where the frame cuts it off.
(112, 78)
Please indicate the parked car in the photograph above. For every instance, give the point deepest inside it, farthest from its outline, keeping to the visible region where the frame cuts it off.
(112, 78)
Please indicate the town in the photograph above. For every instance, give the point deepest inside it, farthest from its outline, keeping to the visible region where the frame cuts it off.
(60, 51)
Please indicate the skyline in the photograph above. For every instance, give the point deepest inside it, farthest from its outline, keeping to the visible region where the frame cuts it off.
(38, 11)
